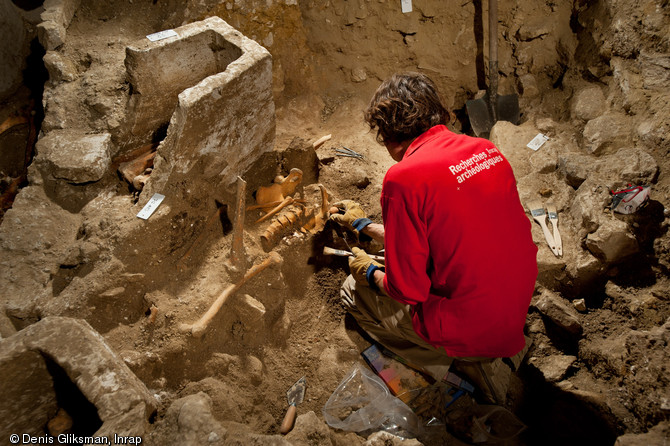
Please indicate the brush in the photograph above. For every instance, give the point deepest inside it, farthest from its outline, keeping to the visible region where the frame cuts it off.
(552, 213)
(537, 211)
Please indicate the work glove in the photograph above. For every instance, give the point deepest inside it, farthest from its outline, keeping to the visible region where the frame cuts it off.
(351, 216)
(362, 267)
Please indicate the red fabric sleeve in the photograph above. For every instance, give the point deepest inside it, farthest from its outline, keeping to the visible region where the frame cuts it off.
(406, 244)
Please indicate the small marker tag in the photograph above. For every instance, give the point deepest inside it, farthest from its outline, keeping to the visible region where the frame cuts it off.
(162, 35)
(151, 206)
(406, 6)
(538, 141)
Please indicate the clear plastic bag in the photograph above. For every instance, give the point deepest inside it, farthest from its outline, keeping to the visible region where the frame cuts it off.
(362, 403)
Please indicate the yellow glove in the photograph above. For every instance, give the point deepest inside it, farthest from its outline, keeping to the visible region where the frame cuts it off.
(351, 216)
(362, 267)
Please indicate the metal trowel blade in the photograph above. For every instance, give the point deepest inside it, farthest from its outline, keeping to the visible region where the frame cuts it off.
(296, 393)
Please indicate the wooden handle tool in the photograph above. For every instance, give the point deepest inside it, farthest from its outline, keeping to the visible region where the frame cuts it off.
(537, 211)
(552, 213)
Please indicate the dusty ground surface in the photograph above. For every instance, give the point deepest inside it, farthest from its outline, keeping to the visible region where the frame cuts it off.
(593, 374)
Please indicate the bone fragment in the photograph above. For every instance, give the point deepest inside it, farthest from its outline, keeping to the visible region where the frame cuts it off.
(237, 245)
(316, 144)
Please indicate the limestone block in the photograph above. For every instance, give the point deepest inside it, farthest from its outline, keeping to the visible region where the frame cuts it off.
(529, 87)
(545, 160)
(550, 268)
(606, 132)
(575, 168)
(588, 205)
(28, 395)
(511, 140)
(588, 103)
(35, 234)
(87, 360)
(60, 67)
(634, 166)
(607, 356)
(223, 123)
(655, 70)
(6, 327)
(250, 311)
(555, 367)
(560, 313)
(194, 422)
(585, 269)
(74, 156)
(309, 429)
(658, 434)
(612, 242)
(51, 34)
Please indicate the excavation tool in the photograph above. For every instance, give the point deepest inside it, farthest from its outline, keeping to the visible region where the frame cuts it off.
(342, 253)
(537, 211)
(486, 111)
(346, 151)
(552, 213)
(295, 396)
(198, 329)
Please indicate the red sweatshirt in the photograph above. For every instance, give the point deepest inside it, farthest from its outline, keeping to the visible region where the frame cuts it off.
(458, 244)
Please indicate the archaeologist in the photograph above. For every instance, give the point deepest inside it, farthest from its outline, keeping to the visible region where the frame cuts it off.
(460, 261)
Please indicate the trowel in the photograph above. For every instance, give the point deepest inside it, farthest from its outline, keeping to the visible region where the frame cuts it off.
(294, 395)
(485, 112)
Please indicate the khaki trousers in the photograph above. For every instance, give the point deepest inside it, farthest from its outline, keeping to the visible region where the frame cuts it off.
(389, 323)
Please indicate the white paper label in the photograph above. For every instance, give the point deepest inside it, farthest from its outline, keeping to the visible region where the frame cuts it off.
(406, 6)
(537, 142)
(162, 35)
(151, 206)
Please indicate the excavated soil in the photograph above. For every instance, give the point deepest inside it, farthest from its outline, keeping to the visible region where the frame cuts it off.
(138, 285)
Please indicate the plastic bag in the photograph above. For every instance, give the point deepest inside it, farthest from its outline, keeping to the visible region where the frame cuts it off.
(363, 403)
(628, 201)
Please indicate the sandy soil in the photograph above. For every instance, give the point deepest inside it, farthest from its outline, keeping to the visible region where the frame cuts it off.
(327, 61)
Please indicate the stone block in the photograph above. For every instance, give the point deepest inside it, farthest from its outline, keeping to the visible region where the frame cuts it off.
(658, 434)
(545, 160)
(606, 133)
(606, 356)
(554, 368)
(560, 313)
(511, 140)
(632, 166)
(51, 34)
(575, 168)
(27, 388)
(60, 68)
(588, 103)
(250, 311)
(612, 242)
(73, 156)
(587, 209)
(309, 429)
(655, 69)
(88, 362)
(221, 124)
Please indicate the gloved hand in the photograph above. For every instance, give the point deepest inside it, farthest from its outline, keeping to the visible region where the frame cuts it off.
(351, 216)
(362, 267)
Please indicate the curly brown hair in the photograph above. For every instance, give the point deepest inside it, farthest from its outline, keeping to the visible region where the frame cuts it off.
(404, 106)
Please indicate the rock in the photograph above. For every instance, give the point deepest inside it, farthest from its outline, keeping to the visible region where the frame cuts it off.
(74, 156)
(529, 87)
(575, 168)
(605, 356)
(606, 132)
(511, 140)
(563, 316)
(588, 103)
(192, 417)
(632, 166)
(250, 311)
(554, 368)
(588, 205)
(382, 438)
(584, 270)
(544, 160)
(655, 70)
(60, 68)
(358, 75)
(309, 429)
(51, 35)
(658, 434)
(546, 125)
(122, 401)
(580, 305)
(612, 242)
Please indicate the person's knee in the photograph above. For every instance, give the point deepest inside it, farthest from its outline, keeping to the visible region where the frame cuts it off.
(348, 293)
